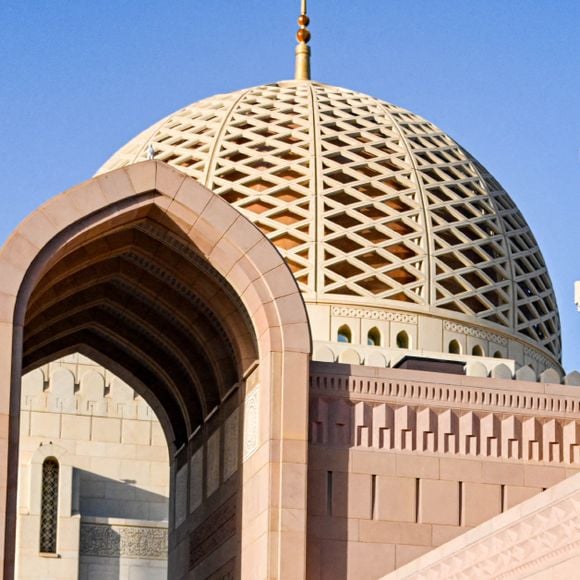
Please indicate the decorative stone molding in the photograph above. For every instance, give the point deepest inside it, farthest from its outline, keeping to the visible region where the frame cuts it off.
(251, 422)
(475, 332)
(125, 541)
(353, 312)
(538, 357)
(404, 415)
(529, 539)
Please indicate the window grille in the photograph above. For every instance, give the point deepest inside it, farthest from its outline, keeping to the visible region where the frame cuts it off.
(49, 506)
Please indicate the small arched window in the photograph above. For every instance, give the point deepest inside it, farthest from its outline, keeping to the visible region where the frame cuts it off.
(374, 337)
(477, 350)
(49, 506)
(454, 347)
(497, 354)
(344, 334)
(402, 340)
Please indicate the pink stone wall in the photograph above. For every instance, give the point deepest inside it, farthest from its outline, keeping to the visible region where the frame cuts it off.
(401, 462)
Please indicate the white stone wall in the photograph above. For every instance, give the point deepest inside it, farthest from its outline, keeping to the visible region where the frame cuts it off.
(114, 473)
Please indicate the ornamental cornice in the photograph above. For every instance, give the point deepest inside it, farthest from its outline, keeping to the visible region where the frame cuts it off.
(390, 316)
(399, 414)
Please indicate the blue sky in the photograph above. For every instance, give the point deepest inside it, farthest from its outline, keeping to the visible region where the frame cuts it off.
(79, 79)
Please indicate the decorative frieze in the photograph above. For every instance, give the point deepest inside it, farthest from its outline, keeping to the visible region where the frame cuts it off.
(535, 355)
(352, 312)
(114, 541)
(406, 415)
(443, 395)
(475, 332)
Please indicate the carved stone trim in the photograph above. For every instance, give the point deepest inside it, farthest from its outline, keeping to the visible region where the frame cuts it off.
(443, 395)
(353, 312)
(395, 413)
(114, 541)
(475, 332)
(251, 422)
(534, 354)
(338, 422)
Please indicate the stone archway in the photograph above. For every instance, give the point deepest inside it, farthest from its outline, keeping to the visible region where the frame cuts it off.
(164, 281)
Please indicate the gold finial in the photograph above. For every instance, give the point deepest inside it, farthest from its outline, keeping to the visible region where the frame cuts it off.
(303, 50)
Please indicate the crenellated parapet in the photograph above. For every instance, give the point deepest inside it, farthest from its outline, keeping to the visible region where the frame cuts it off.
(76, 385)
(397, 410)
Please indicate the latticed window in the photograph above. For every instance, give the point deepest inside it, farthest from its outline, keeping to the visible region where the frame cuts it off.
(49, 506)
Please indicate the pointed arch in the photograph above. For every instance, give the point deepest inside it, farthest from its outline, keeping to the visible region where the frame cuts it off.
(158, 272)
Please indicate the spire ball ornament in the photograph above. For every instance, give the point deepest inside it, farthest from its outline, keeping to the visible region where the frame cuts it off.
(302, 49)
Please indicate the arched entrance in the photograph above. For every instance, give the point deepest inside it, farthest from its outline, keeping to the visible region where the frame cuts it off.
(163, 282)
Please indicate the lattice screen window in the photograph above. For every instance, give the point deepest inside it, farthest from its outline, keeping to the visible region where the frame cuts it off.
(49, 506)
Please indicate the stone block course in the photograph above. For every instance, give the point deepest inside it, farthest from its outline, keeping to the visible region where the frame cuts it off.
(439, 502)
(396, 499)
(480, 502)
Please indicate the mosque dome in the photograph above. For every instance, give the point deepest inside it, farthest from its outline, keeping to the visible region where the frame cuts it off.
(373, 207)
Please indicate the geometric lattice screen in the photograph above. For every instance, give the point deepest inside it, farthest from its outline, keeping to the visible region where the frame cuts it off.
(49, 506)
(364, 200)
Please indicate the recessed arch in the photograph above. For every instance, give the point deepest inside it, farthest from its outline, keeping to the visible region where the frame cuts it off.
(374, 337)
(454, 347)
(344, 334)
(402, 340)
(167, 283)
(477, 350)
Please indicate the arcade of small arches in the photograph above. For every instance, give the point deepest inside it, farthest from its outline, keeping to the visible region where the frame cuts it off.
(403, 341)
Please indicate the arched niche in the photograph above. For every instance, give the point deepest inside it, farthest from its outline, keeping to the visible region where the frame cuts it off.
(402, 340)
(374, 337)
(454, 347)
(344, 334)
(152, 275)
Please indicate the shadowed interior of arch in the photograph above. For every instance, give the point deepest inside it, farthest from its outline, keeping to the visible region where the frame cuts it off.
(138, 293)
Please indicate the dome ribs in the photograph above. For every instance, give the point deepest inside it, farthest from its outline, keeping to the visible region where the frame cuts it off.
(271, 182)
(372, 226)
(366, 201)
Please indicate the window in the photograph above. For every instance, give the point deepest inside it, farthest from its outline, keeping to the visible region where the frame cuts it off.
(497, 354)
(344, 334)
(477, 350)
(49, 506)
(374, 337)
(402, 340)
(454, 347)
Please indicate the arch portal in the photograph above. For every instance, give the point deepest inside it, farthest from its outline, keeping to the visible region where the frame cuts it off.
(153, 275)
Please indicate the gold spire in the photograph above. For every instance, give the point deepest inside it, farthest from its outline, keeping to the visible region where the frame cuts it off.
(302, 49)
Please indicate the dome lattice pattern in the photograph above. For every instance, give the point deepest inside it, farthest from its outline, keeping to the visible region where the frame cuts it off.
(368, 202)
